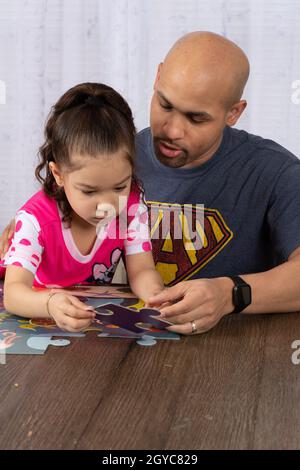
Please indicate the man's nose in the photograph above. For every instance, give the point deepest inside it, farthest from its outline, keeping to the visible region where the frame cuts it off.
(173, 127)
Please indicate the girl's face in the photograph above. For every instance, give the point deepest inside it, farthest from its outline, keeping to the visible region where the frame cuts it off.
(94, 188)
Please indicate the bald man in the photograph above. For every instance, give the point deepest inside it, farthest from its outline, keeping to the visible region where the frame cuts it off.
(240, 252)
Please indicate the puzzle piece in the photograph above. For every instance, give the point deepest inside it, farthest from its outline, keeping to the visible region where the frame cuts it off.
(118, 333)
(11, 343)
(36, 327)
(95, 303)
(105, 291)
(136, 322)
(146, 340)
(165, 334)
(42, 342)
(150, 315)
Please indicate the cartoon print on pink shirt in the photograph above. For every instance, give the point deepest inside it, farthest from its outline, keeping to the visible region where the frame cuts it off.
(103, 274)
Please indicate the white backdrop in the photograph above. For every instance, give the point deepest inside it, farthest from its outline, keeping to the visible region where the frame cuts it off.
(46, 46)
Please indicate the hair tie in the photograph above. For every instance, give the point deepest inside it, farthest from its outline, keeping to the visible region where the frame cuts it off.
(95, 100)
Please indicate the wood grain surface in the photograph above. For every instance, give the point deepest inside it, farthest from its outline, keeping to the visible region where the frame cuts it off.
(234, 387)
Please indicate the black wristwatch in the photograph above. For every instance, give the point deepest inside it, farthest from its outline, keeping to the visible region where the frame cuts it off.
(241, 294)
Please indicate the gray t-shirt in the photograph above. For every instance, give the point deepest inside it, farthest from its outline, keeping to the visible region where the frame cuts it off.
(250, 190)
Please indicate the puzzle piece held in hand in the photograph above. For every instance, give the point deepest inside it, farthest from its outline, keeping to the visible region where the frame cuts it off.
(136, 322)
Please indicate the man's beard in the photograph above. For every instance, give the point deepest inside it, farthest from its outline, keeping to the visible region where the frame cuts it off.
(172, 162)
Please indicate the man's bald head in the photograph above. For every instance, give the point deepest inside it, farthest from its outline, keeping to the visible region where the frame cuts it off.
(208, 59)
(197, 93)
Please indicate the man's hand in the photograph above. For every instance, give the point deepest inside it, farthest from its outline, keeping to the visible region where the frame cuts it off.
(202, 301)
(4, 239)
(69, 313)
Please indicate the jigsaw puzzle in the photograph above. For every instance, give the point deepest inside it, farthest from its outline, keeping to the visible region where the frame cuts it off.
(120, 315)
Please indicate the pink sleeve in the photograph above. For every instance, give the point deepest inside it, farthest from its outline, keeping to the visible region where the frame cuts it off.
(138, 234)
(25, 250)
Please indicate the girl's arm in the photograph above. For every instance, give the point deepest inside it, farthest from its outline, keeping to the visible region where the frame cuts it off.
(143, 278)
(19, 298)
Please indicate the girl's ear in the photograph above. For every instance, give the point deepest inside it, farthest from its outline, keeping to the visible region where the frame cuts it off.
(57, 175)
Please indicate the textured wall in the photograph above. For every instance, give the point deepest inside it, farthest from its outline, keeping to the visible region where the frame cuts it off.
(48, 46)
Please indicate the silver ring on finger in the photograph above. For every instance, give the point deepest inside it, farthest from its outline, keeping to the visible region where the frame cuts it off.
(194, 328)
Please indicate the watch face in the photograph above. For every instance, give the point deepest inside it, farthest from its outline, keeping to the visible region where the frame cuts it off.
(242, 297)
(246, 293)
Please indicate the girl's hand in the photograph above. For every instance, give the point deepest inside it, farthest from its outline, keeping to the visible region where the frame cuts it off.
(157, 306)
(69, 313)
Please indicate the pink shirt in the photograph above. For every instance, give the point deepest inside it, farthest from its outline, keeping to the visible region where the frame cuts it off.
(42, 245)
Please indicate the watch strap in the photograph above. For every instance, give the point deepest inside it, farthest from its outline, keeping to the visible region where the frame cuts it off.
(239, 282)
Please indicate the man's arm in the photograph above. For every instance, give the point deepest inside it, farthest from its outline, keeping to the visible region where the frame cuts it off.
(6, 235)
(206, 301)
(276, 290)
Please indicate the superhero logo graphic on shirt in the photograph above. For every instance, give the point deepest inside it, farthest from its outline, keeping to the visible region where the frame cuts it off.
(185, 238)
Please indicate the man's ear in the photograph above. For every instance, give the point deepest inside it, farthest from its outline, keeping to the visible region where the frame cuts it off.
(235, 112)
(157, 75)
(57, 175)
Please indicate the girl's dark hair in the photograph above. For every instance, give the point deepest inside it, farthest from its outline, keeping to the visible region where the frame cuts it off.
(89, 119)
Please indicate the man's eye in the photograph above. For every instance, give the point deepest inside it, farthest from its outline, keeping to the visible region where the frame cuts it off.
(166, 106)
(120, 188)
(196, 120)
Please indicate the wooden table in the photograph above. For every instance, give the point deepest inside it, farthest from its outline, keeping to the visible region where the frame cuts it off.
(232, 388)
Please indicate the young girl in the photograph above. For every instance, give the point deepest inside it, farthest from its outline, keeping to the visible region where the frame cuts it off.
(90, 210)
